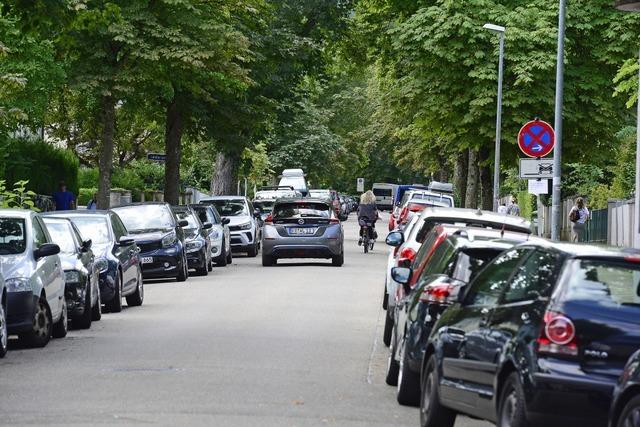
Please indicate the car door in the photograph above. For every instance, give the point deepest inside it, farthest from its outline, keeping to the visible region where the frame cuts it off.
(48, 269)
(127, 255)
(467, 375)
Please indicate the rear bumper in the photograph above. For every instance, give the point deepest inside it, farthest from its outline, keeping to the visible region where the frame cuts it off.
(20, 311)
(302, 251)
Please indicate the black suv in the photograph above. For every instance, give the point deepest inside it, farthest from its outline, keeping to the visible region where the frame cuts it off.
(539, 337)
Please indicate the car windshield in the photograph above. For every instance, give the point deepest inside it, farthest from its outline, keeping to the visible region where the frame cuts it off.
(12, 236)
(230, 207)
(608, 282)
(292, 181)
(301, 210)
(383, 192)
(61, 235)
(204, 217)
(92, 227)
(265, 206)
(192, 220)
(144, 218)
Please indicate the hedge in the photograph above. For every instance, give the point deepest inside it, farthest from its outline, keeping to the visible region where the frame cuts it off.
(42, 164)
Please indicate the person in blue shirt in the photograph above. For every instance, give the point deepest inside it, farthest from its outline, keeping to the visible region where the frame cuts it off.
(64, 199)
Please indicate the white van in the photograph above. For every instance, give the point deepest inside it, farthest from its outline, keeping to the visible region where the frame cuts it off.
(385, 195)
(294, 178)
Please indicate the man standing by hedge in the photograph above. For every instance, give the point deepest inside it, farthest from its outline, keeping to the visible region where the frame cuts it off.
(64, 199)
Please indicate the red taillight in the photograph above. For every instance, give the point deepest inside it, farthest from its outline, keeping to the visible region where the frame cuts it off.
(269, 219)
(558, 335)
(334, 221)
(633, 258)
(416, 207)
(406, 256)
(439, 293)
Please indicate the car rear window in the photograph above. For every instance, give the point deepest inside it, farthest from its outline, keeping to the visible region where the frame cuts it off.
(382, 192)
(439, 201)
(616, 283)
(12, 236)
(301, 210)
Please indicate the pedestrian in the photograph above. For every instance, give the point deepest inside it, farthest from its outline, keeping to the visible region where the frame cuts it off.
(63, 198)
(579, 216)
(502, 209)
(514, 209)
(93, 203)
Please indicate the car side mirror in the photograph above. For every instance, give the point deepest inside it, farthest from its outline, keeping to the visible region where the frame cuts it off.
(183, 223)
(395, 239)
(207, 226)
(126, 241)
(86, 245)
(46, 250)
(401, 275)
(225, 221)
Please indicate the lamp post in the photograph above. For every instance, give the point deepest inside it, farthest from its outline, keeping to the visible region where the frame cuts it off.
(496, 171)
(634, 6)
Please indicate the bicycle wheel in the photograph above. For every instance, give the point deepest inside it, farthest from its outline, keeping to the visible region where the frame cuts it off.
(365, 244)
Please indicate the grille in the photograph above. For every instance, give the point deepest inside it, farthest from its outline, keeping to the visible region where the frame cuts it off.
(149, 246)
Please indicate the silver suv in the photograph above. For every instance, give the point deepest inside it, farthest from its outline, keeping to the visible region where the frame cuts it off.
(244, 227)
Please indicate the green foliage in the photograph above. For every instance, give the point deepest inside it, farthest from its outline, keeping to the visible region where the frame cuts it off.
(85, 195)
(18, 197)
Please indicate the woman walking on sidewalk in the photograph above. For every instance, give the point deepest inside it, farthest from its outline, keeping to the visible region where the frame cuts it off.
(579, 216)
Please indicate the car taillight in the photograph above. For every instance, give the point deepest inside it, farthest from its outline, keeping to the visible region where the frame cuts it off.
(416, 207)
(406, 256)
(269, 219)
(440, 293)
(558, 335)
(334, 221)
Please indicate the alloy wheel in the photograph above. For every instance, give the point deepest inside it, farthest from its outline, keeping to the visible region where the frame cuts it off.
(41, 321)
(3, 328)
(426, 395)
(508, 409)
(632, 419)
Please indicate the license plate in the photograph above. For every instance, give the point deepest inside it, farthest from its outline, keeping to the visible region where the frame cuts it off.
(298, 231)
(147, 259)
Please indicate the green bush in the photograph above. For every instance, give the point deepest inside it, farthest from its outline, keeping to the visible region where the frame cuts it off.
(42, 164)
(85, 194)
(88, 177)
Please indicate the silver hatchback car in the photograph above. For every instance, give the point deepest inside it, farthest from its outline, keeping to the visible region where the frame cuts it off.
(302, 228)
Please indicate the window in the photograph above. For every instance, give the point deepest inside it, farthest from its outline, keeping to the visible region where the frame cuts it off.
(62, 235)
(93, 227)
(425, 248)
(534, 278)
(12, 236)
(301, 210)
(607, 282)
(488, 285)
(442, 259)
(232, 207)
(146, 218)
(383, 192)
(118, 227)
(39, 236)
(471, 261)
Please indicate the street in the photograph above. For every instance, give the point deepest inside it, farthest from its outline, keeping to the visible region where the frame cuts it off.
(296, 344)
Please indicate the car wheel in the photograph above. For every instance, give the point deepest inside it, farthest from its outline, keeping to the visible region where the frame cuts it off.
(84, 321)
(388, 328)
(408, 383)
(267, 260)
(338, 261)
(385, 297)
(511, 408)
(40, 333)
(393, 367)
(252, 252)
(62, 326)
(229, 256)
(210, 263)
(137, 298)
(432, 413)
(4, 340)
(223, 258)
(96, 311)
(115, 305)
(630, 415)
(183, 274)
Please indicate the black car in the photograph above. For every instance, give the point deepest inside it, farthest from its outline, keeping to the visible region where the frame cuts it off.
(160, 237)
(116, 256)
(82, 289)
(453, 263)
(539, 337)
(625, 411)
(197, 242)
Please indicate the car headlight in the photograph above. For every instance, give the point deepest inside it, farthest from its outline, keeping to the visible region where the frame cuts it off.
(72, 276)
(18, 284)
(101, 265)
(245, 226)
(215, 234)
(194, 245)
(169, 240)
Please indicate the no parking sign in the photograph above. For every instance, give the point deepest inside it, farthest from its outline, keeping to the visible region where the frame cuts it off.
(536, 138)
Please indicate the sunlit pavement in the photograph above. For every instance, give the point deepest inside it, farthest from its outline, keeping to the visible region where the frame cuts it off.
(296, 344)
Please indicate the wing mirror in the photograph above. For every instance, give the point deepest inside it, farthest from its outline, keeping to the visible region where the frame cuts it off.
(46, 250)
(395, 239)
(207, 226)
(401, 275)
(183, 223)
(126, 241)
(86, 245)
(225, 221)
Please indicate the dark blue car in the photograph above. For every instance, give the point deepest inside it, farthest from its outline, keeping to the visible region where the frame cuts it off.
(625, 411)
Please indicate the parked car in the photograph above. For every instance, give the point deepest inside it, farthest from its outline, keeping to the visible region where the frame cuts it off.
(243, 226)
(82, 289)
(197, 242)
(453, 263)
(625, 410)
(218, 234)
(302, 228)
(539, 337)
(294, 178)
(159, 235)
(34, 280)
(4, 336)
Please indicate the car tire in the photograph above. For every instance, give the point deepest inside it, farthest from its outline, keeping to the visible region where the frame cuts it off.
(408, 383)
(61, 327)
(223, 258)
(630, 413)
(210, 263)
(137, 298)
(252, 252)
(511, 410)
(183, 274)
(393, 367)
(4, 336)
(40, 334)
(96, 310)
(338, 261)
(385, 297)
(432, 413)
(267, 260)
(84, 321)
(229, 257)
(388, 328)
(115, 305)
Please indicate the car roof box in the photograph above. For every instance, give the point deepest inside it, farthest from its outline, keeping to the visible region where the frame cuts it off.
(441, 187)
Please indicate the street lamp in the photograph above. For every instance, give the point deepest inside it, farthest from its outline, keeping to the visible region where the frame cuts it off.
(631, 5)
(496, 171)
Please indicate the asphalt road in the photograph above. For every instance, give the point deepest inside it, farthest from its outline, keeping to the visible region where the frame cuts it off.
(293, 345)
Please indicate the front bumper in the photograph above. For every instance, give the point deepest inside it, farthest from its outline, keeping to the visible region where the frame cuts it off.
(216, 247)
(197, 259)
(20, 311)
(165, 262)
(241, 239)
(75, 294)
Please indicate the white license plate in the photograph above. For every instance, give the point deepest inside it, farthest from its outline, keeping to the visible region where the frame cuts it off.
(147, 259)
(302, 231)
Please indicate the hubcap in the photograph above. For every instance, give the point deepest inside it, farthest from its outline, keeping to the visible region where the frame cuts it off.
(41, 320)
(508, 409)
(64, 314)
(426, 394)
(633, 418)
(3, 328)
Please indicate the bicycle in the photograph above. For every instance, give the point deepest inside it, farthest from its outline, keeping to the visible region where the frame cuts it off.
(366, 239)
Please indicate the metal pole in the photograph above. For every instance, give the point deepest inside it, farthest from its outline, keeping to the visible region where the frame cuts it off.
(496, 170)
(556, 206)
(636, 234)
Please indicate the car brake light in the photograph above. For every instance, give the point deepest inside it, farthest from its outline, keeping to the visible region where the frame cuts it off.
(334, 221)
(633, 258)
(406, 256)
(439, 293)
(269, 219)
(558, 335)
(416, 207)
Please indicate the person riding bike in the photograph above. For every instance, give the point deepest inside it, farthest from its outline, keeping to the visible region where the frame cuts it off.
(368, 214)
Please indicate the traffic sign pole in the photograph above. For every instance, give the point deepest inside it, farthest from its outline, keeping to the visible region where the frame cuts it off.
(496, 168)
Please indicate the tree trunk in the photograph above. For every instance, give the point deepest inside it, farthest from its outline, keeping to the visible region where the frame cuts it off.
(173, 151)
(105, 162)
(460, 175)
(486, 180)
(471, 198)
(223, 179)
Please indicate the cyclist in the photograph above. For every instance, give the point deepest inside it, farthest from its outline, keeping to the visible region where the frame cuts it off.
(368, 213)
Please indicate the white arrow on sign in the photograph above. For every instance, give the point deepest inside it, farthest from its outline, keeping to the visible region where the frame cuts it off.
(536, 168)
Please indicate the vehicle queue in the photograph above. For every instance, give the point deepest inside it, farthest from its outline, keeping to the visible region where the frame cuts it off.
(486, 320)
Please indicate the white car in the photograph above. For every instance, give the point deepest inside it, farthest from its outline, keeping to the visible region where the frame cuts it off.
(244, 227)
(218, 234)
(35, 281)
